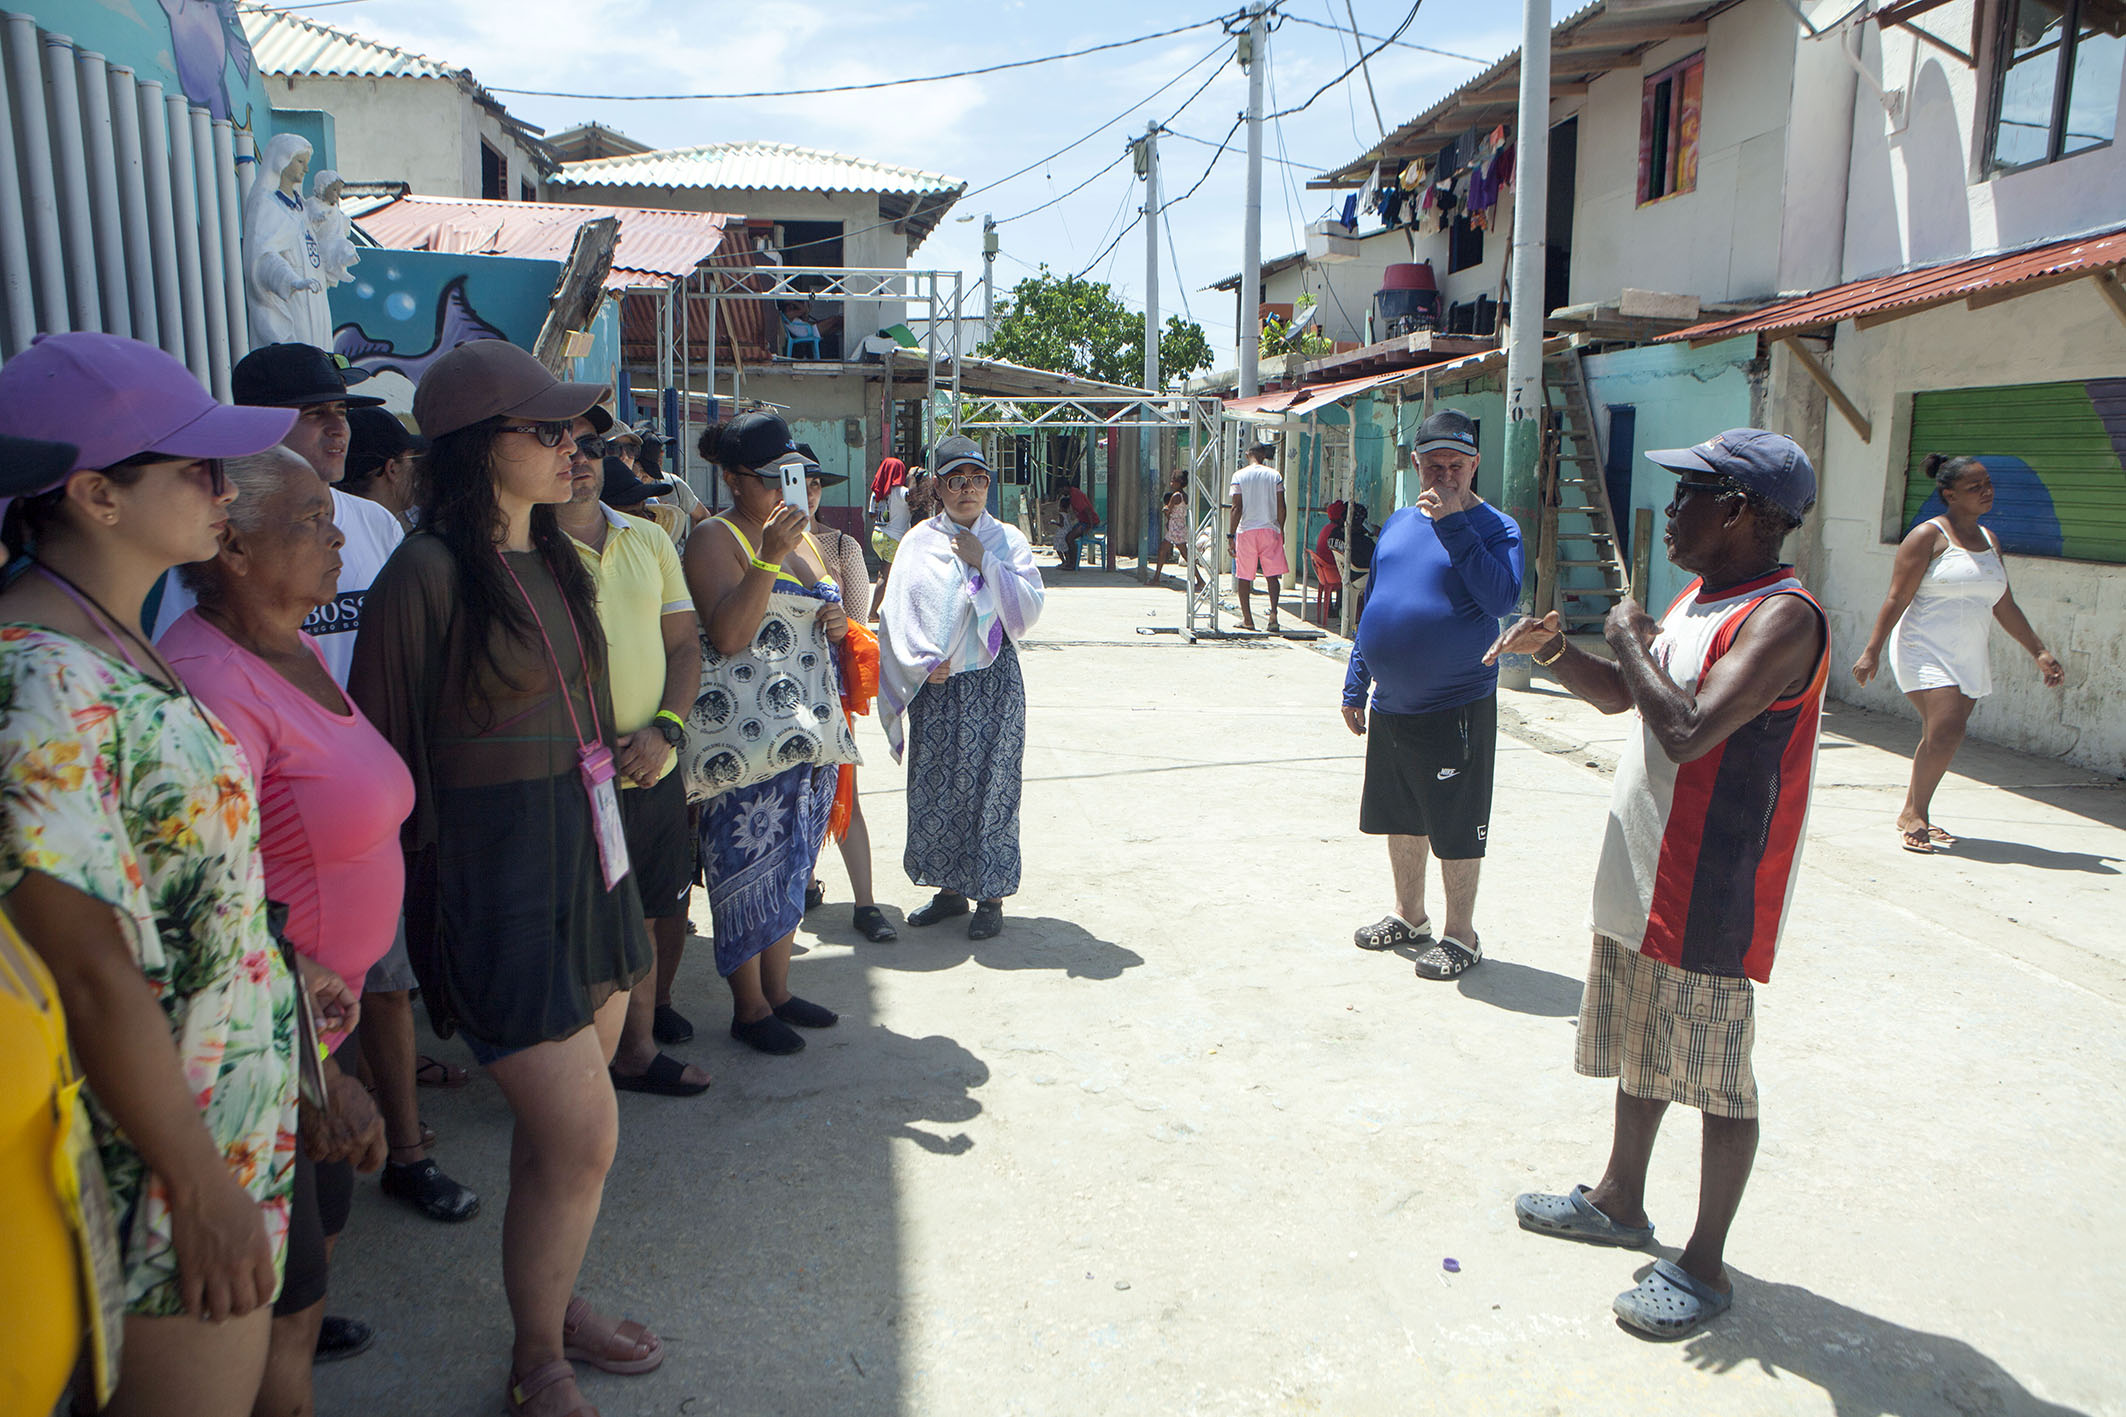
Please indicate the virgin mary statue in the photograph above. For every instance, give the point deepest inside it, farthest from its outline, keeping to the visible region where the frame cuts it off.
(284, 285)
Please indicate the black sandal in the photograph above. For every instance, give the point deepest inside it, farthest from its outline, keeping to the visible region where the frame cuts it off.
(943, 906)
(872, 924)
(671, 1026)
(422, 1185)
(666, 1076)
(1391, 933)
(769, 1035)
(815, 896)
(988, 921)
(339, 1338)
(1450, 958)
(806, 1014)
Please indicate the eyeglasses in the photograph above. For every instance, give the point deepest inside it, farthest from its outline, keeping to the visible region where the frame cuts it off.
(591, 447)
(962, 481)
(1710, 489)
(550, 435)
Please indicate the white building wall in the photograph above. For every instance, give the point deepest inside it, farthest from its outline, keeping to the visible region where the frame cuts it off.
(1918, 190)
(2078, 608)
(391, 130)
(1720, 241)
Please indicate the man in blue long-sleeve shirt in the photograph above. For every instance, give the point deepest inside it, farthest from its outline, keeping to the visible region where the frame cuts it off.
(1444, 571)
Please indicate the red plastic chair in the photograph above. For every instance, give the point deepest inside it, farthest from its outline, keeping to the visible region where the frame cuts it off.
(1326, 583)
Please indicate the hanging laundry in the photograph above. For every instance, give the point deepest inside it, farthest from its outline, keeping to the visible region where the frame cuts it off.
(1391, 205)
(1502, 168)
(1350, 217)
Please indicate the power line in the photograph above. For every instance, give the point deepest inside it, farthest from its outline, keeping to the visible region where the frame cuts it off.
(1408, 20)
(1218, 20)
(1071, 193)
(1398, 43)
(1168, 206)
(1206, 142)
(1173, 259)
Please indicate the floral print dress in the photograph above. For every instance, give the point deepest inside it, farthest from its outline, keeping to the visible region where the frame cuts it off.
(130, 793)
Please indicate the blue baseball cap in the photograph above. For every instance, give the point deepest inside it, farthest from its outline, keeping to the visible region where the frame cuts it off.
(1769, 464)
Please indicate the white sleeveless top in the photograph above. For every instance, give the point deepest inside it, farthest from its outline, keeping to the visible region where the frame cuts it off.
(1940, 640)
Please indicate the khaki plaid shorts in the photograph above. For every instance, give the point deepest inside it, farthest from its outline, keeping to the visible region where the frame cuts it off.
(1668, 1034)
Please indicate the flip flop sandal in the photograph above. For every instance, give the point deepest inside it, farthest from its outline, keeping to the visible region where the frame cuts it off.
(666, 1076)
(522, 1390)
(588, 1337)
(1574, 1217)
(1918, 842)
(1670, 1302)
(434, 1072)
(1939, 837)
(1450, 958)
(1392, 933)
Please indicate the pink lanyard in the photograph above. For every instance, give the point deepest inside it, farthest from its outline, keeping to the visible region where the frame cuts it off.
(560, 683)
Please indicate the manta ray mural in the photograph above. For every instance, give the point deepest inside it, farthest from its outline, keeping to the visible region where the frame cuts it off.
(456, 323)
(206, 37)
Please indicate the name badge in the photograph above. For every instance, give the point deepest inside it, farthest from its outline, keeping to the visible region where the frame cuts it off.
(596, 766)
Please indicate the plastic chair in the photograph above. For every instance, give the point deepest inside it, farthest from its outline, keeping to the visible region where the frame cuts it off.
(1326, 583)
(799, 333)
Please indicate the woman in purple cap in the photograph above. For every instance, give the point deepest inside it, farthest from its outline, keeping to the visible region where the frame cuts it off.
(129, 860)
(480, 659)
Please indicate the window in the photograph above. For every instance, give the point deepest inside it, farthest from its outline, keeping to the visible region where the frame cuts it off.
(1668, 130)
(2058, 90)
(526, 192)
(1465, 244)
(494, 174)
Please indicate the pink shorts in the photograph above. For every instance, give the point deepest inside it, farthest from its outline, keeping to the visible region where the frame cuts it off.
(1259, 553)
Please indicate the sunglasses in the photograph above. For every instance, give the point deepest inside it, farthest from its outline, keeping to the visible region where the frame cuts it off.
(1710, 489)
(592, 447)
(962, 481)
(217, 475)
(550, 435)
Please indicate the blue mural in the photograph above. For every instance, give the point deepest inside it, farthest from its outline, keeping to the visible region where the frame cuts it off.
(2023, 517)
(206, 38)
(405, 309)
(456, 323)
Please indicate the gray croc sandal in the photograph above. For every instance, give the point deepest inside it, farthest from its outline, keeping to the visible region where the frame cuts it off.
(1670, 1302)
(1392, 933)
(1450, 958)
(1574, 1217)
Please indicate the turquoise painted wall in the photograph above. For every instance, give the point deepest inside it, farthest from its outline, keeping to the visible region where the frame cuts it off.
(1683, 396)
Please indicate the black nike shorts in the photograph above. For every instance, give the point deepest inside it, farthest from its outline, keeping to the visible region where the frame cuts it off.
(1429, 775)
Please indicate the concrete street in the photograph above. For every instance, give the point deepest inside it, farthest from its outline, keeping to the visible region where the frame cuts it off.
(1172, 1145)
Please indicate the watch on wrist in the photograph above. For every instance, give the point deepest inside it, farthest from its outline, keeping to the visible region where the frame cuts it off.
(674, 731)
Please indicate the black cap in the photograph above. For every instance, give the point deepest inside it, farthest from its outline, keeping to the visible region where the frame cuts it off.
(1449, 428)
(375, 437)
(623, 489)
(601, 419)
(755, 440)
(32, 465)
(295, 376)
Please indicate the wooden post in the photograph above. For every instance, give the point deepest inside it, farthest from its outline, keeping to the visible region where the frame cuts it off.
(579, 290)
(1642, 551)
(1546, 554)
(1813, 367)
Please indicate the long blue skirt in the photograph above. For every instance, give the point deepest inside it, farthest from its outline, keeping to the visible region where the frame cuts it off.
(758, 847)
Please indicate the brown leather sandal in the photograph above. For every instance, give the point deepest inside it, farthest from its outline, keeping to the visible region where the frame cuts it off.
(524, 1392)
(624, 1347)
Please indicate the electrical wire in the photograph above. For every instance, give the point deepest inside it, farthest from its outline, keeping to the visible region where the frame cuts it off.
(1168, 206)
(1001, 221)
(1408, 20)
(1219, 20)
(1206, 142)
(1173, 260)
(1398, 43)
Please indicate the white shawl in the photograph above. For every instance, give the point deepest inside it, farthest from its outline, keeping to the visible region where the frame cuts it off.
(939, 610)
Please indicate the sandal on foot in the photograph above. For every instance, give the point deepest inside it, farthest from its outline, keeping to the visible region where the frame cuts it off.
(666, 1076)
(1450, 958)
(1940, 838)
(1917, 841)
(422, 1185)
(589, 1337)
(1574, 1217)
(1392, 933)
(668, 1025)
(872, 924)
(943, 906)
(815, 896)
(769, 1035)
(434, 1072)
(806, 1014)
(988, 921)
(339, 1338)
(1670, 1302)
(524, 1391)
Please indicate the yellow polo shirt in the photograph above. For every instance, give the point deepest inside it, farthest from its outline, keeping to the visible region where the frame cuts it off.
(639, 583)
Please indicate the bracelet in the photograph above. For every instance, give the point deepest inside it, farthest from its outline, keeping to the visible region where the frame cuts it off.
(1546, 663)
(773, 568)
(670, 717)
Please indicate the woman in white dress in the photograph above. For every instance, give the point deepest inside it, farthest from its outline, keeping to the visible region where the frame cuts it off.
(1948, 582)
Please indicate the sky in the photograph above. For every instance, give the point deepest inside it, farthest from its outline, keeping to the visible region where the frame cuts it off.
(980, 129)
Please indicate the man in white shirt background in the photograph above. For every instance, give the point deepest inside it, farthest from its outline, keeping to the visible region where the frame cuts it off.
(1255, 527)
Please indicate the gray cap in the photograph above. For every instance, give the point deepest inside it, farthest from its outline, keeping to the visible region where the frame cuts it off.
(1449, 428)
(956, 452)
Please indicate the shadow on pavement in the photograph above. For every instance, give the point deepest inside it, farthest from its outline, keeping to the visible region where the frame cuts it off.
(2062, 786)
(1869, 1367)
(2016, 853)
(1028, 942)
(1521, 989)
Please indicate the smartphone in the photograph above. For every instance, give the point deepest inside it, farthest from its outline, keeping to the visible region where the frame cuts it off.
(793, 486)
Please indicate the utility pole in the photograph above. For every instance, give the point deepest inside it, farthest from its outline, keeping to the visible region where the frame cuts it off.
(989, 276)
(1524, 351)
(1148, 437)
(1254, 49)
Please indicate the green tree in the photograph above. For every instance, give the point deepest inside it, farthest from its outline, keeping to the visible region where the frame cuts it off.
(1076, 326)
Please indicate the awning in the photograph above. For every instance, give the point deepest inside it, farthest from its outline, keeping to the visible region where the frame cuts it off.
(1981, 280)
(1292, 402)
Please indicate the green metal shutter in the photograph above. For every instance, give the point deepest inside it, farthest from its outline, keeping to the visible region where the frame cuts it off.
(2057, 453)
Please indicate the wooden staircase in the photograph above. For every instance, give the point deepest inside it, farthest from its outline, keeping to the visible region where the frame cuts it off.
(1580, 571)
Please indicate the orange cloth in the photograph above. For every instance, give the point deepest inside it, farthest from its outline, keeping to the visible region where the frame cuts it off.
(859, 666)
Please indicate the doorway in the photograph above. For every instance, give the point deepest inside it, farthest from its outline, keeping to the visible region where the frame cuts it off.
(1557, 232)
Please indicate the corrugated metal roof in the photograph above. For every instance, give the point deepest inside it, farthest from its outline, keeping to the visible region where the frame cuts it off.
(1910, 291)
(290, 44)
(755, 166)
(656, 247)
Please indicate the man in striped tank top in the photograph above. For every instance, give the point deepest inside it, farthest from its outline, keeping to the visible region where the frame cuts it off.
(1699, 857)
